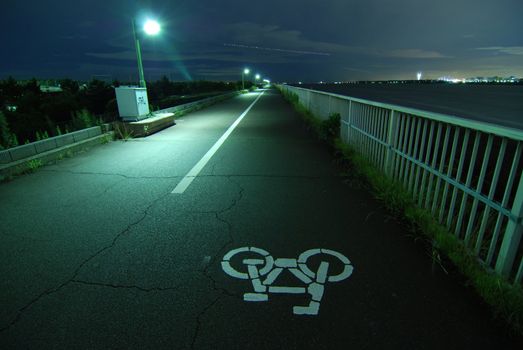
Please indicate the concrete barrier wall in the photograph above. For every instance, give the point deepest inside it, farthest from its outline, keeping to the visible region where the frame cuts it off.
(64, 140)
(21, 152)
(34, 148)
(5, 157)
(204, 102)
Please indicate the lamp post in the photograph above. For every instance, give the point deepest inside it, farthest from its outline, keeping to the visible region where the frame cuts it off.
(257, 78)
(151, 28)
(246, 71)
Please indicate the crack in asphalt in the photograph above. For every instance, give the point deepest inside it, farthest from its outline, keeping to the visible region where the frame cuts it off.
(223, 292)
(275, 176)
(93, 196)
(119, 286)
(230, 241)
(206, 273)
(111, 174)
(50, 291)
(198, 320)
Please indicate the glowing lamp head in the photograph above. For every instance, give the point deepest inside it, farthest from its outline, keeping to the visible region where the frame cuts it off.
(151, 27)
(257, 77)
(246, 71)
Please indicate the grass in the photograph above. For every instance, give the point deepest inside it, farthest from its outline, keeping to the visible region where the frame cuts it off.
(122, 132)
(504, 298)
(106, 139)
(33, 165)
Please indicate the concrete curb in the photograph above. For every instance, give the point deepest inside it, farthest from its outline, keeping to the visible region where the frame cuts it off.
(34, 161)
(165, 118)
(151, 125)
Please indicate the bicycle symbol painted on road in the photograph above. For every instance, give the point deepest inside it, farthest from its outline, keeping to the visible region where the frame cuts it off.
(267, 266)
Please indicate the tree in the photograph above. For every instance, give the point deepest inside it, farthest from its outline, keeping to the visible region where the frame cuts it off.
(10, 89)
(69, 86)
(5, 133)
(32, 87)
(59, 107)
(96, 96)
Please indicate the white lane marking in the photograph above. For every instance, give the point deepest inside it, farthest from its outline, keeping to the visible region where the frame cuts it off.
(314, 280)
(233, 252)
(312, 310)
(288, 290)
(321, 276)
(193, 173)
(303, 277)
(316, 291)
(271, 277)
(255, 297)
(284, 262)
(227, 268)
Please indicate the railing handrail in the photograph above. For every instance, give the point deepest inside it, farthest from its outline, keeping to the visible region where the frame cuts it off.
(391, 138)
(485, 127)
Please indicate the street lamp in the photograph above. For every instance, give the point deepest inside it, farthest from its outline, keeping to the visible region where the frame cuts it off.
(151, 28)
(246, 71)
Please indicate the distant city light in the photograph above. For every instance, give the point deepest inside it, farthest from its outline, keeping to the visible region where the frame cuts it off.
(452, 80)
(419, 75)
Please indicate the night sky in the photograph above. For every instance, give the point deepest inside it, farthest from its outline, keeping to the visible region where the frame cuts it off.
(284, 40)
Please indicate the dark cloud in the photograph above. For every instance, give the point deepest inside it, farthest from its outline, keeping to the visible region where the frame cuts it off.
(286, 40)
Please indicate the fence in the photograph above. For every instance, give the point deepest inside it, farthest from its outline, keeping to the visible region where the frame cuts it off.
(468, 174)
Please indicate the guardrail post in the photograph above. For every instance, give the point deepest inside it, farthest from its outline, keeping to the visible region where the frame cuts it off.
(512, 237)
(391, 136)
(349, 121)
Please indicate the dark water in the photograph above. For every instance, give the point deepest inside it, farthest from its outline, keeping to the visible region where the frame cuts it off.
(496, 104)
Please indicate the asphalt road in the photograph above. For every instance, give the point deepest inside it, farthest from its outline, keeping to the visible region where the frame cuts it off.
(96, 252)
(495, 104)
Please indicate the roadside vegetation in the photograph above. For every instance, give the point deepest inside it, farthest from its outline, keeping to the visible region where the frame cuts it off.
(504, 298)
(28, 114)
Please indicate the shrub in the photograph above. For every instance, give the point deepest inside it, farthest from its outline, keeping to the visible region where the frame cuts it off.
(83, 119)
(5, 133)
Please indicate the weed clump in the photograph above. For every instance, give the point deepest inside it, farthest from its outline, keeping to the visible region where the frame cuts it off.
(122, 131)
(33, 165)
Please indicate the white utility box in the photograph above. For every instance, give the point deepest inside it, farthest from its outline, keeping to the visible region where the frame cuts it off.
(132, 102)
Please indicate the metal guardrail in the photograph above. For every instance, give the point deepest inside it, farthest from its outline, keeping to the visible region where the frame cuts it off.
(467, 173)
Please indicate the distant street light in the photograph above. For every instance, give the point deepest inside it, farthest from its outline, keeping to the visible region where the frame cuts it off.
(258, 77)
(246, 71)
(151, 28)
